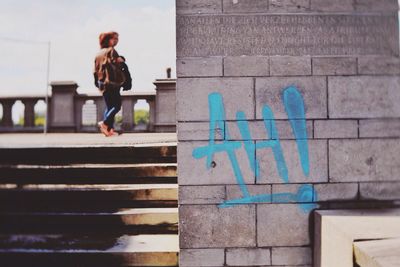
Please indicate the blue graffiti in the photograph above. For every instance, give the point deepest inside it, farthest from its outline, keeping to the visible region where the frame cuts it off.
(294, 106)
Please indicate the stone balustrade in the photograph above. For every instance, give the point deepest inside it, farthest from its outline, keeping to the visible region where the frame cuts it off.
(66, 109)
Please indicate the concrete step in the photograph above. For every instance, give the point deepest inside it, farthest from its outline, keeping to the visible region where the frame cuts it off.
(89, 173)
(131, 221)
(86, 198)
(377, 253)
(83, 250)
(70, 155)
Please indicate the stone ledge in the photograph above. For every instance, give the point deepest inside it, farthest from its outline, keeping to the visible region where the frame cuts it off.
(336, 230)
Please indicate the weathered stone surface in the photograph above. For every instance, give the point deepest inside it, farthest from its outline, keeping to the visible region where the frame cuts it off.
(246, 66)
(313, 89)
(201, 194)
(379, 65)
(201, 257)
(332, 5)
(335, 129)
(288, 35)
(317, 157)
(380, 128)
(245, 6)
(258, 130)
(376, 5)
(208, 226)
(234, 192)
(289, 5)
(334, 192)
(285, 130)
(198, 7)
(364, 97)
(364, 160)
(192, 97)
(197, 131)
(279, 192)
(194, 171)
(334, 66)
(290, 66)
(282, 225)
(199, 67)
(381, 191)
(248, 256)
(295, 256)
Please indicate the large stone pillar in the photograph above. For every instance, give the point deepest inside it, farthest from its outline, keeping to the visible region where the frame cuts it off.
(165, 115)
(62, 107)
(283, 107)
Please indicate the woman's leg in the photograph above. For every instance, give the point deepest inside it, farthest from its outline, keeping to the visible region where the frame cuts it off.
(112, 98)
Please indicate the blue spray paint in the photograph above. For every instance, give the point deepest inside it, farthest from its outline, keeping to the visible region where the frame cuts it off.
(248, 142)
(294, 106)
(217, 118)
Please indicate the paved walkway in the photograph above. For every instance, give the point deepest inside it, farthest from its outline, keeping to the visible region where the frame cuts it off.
(24, 140)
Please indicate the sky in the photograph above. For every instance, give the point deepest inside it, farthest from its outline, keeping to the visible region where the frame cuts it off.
(147, 41)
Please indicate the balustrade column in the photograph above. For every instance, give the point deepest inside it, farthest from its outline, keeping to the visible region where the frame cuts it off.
(7, 112)
(29, 113)
(127, 113)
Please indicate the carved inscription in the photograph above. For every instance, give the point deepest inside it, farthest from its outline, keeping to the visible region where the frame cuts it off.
(235, 35)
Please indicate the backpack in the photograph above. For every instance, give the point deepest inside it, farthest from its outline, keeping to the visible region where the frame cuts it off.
(112, 71)
(127, 85)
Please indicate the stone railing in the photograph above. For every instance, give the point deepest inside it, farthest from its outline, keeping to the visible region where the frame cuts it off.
(66, 110)
(7, 103)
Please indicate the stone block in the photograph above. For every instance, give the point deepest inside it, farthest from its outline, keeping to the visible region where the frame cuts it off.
(198, 131)
(248, 256)
(364, 97)
(380, 128)
(318, 162)
(364, 160)
(334, 66)
(332, 5)
(379, 65)
(245, 6)
(269, 92)
(280, 191)
(192, 97)
(335, 192)
(201, 257)
(380, 191)
(194, 171)
(289, 5)
(246, 66)
(199, 67)
(258, 130)
(201, 194)
(282, 225)
(212, 227)
(335, 129)
(291, 256)
(234, 192)
(377, 5)
(198, 7)
(285, 130)
(290, 66)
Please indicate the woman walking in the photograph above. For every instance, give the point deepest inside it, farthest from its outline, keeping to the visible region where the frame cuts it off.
(109, 78)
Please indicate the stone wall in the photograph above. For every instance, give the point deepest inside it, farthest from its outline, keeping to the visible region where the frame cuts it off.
(284, 107)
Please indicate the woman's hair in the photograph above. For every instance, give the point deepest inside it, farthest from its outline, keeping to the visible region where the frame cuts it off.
(105, 37)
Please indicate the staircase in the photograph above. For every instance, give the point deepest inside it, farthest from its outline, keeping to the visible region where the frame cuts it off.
(88, 206)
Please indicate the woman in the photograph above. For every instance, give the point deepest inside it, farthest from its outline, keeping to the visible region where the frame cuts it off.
(109, 79)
